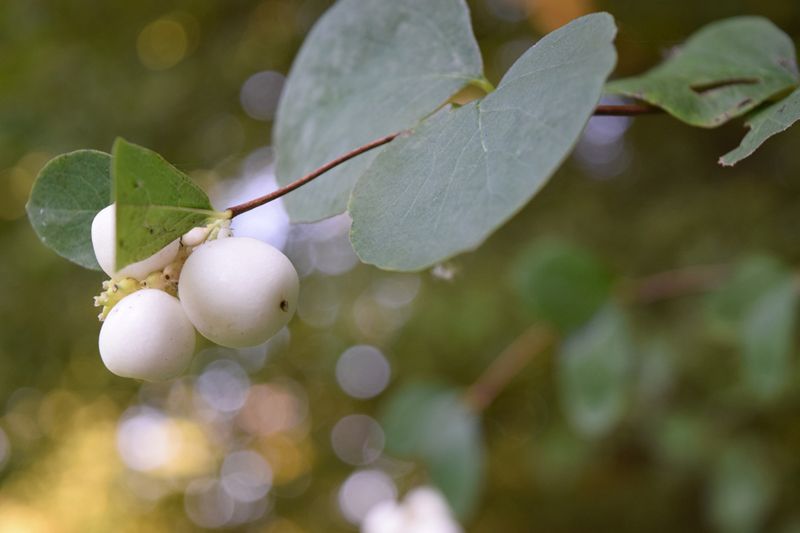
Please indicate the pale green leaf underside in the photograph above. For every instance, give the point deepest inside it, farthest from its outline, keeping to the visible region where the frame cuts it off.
(429, 421)
(763, 124)
(69, 191)
(724, 70)
(594, 369)
(368, 68)
(445, 187)
(156, 203)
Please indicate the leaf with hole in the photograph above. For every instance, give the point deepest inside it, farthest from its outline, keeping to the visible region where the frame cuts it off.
(156, 202)
(723, 71)
(430, 422)
(445, 187)
(69, 191)
(763, 124)
(369, 68)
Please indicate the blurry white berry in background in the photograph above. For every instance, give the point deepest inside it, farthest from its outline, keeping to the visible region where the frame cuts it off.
(147, 336)
(424, 510)
(104, 236)
(238, 292)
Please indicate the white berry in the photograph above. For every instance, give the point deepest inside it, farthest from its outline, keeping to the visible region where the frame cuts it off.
(147, 336)
(238, 292)
(104, 242)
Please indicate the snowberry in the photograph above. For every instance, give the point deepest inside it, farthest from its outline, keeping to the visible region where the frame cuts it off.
(238, 291)
(147, 336)
(104, 236)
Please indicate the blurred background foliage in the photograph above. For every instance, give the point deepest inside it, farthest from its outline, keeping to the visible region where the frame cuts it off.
(283, 438)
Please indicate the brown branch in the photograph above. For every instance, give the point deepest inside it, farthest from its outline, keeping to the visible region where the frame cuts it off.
(603, 110)
(508, 364)
(675, 283)
(252, 204)
(626, 110)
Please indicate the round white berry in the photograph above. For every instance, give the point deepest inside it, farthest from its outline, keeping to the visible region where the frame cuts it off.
(238, 292)
(147, 336)
(104, 237)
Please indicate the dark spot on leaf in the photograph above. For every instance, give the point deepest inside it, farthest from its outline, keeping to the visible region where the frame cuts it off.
(703, 88)
(744, 102)
(151, 231)
(284, 305)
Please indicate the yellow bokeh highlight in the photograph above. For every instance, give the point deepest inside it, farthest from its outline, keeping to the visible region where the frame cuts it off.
(549, 15)
(162, 44)
(16, 184)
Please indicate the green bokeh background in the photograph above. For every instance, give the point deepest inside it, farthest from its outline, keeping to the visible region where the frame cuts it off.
(71, 77)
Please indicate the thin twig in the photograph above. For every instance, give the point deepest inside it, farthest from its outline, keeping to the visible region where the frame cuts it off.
(626, 110)
(675, 283)
(252, 204)
(508, 364)
(603, 110)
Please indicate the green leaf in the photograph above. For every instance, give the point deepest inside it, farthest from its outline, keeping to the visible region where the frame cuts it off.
(767, 334)
(561, 282)
(724, 70)
(445, 187)
(156, 203)
(69, 191)
(752, 278)
(743, 490)
(430, 422)
(594, 369)
(763, 124)
(368, 68)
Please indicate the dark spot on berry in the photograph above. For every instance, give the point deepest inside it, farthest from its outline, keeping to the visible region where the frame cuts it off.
(284, 306)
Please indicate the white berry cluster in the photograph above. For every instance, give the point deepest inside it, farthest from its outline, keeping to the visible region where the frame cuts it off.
(235, 291)
(424, 510)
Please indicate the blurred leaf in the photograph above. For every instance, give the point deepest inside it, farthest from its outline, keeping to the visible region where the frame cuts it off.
(69, 191)
(763, 124)
(559, 458)
(726, 308)
(724, 70)
(767, 335)
(156, 202)
(367, 69)
(430, 422)
(742, 491)
(445, 187)
(561, 282)
(594, 369)
(682, 439)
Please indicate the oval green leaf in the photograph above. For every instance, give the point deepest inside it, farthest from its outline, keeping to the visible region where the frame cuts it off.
(561, 282)
(69, 191)
(723, 71)
(594, 370)
(369, 68)
(445, 187)
(767, 339)
(156, 202)
(430, 422)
